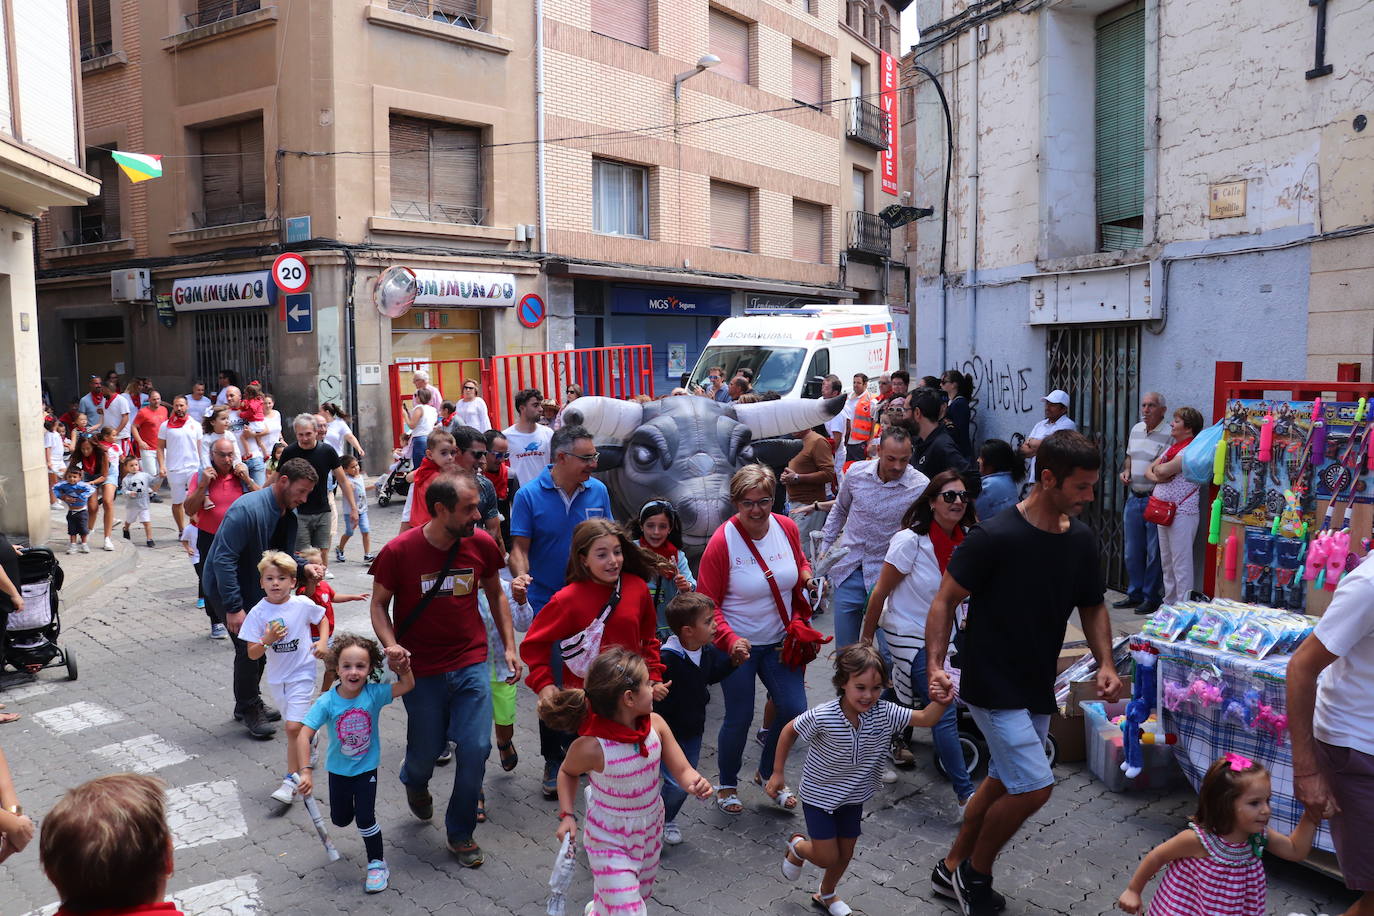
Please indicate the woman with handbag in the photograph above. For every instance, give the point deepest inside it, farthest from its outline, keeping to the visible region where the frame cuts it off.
(754, 570)
(1173, 507)
(605, 603)
(915, 563)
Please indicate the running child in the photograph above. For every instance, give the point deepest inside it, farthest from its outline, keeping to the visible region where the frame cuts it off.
(503, 679)
(281, 622)
(350, 712)
(137, 488)
(1215, 865)
(73, 492)
(691, 664)
(254, 416)
(850, 739)
(621, 746)
(323, 594)
(354, 469)
(658, 528)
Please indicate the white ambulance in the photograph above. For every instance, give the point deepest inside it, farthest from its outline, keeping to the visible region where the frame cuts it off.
(789, 350)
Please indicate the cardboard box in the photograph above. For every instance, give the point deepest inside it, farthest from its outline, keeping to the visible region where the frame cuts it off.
(1067, 730)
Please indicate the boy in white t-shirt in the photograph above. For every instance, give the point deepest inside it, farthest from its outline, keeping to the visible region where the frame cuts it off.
(281, 623)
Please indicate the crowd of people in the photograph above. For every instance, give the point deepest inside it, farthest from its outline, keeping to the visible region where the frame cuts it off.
(936, 564)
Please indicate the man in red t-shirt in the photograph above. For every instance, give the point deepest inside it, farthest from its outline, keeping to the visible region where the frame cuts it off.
(209, 494)
(147, 422)
(447, 645)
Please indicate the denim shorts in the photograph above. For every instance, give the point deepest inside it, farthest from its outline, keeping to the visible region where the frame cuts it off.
(1016, 746)
(363, 525)
(843, 822)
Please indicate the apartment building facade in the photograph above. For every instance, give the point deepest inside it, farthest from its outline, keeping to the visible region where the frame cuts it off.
(40, 167)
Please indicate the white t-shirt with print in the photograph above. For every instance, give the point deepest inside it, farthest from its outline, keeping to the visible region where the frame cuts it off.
(749, 605)
(1344, 714)
(289, 658)
(529, 452)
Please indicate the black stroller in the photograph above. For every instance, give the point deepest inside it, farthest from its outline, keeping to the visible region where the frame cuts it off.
(30, 642)
(395, 483)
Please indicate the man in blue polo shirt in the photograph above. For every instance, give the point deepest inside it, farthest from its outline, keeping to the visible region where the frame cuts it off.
(542, 518)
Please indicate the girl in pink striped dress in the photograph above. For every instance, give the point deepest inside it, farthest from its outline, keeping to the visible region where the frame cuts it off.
(622, 740)
(1214, 867)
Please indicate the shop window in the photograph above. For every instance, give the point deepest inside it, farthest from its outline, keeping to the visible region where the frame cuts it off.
(1120, 127)
(808, 76)
(98, 221)
(623, 20)
(620, 198)
(730, 216)
(436, 172)
(238, 339)
(808, 231)
(93, 22)
(232, 178)
(729, 40)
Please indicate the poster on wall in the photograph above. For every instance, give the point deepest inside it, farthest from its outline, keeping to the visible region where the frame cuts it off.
(887, 100)
(677, 359)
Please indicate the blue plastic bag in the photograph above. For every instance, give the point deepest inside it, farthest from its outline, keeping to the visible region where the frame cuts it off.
(1200, 453)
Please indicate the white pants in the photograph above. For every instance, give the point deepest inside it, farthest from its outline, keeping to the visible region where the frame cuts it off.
(147, 460)
(1176, 557)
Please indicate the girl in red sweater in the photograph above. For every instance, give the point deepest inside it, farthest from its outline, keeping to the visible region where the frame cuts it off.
(603, 561)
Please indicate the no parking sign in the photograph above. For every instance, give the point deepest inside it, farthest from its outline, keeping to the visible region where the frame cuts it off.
(530, 310)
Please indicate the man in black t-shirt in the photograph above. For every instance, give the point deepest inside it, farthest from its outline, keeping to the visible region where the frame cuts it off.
(1023, 573)
(314, 515)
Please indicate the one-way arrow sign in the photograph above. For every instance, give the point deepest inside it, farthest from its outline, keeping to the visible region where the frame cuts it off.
(300, 314)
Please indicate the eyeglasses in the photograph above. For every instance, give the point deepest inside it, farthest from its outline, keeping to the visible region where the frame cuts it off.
(499, 456)
(955, 496)
(589, 459)
(747, 504)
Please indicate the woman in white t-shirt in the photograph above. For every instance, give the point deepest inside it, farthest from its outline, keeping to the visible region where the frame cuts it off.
(471, 410)
(271, 418)
(422, 419)
(216, 428)
(915, 563)
(749, 622)
(338, 432)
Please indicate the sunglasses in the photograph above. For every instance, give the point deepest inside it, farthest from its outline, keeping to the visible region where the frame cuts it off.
(955, 496)
(480, 456)
(499, 456)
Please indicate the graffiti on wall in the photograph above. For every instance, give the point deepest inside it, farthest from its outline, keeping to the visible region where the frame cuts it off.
(997, 387)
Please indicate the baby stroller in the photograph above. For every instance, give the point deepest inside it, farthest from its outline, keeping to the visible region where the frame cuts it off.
(30, 642)
(395, 483)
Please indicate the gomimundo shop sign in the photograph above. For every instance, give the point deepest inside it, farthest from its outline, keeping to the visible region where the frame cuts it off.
(224, 291)
(464, 289)
(668, 300)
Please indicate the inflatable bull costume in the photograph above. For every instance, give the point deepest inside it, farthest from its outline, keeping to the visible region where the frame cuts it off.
(685, 449)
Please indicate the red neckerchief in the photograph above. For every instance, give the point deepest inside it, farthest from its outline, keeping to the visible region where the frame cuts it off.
(500, 480)
(667, 550)
(1176, 448)
(175, 422)
(424, 472)
(599, 726)
(90, 463)
(944, 544)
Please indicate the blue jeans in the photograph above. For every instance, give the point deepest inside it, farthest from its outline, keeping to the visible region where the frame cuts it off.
(785, 685)
(257, 469)
(851, 604)
(453, 706)
(945, 734)
(418, 444)
(673, 794)
(1142, 552)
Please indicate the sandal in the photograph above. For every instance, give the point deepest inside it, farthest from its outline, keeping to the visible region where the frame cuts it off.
(7, 717)
(482, 808)
(730, 804)
(830, 903)
(509, 758)
(786, 800)
(792, 870)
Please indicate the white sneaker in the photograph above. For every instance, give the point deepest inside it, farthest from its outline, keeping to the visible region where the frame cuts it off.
(85, 548)
(109, 544)
(287, 793)
(963, 807)
(889, 775)
(328, 574)
(71, 549)
(672, 835)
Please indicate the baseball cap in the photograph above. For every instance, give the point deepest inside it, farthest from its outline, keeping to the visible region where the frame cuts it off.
(1057, 396)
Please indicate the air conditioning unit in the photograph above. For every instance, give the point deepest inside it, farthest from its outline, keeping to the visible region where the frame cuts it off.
(133, 284)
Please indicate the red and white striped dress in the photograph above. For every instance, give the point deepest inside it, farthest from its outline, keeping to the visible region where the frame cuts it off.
(624, 832)
(1228, 881)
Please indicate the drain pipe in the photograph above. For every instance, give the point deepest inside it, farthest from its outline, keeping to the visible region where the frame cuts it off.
(944, 213)
(540, 180)
(971, 273)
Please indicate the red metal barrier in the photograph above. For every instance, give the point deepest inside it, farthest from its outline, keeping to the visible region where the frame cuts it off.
(615, 372)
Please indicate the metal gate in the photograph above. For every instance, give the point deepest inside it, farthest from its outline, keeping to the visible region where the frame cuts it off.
(236, 339)
(1099, 366)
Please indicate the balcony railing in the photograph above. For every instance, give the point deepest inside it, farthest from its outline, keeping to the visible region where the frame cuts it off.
(867, 124)
(438, 213)
(85, 235)
(227, 216)
(868, 234)
(216, 12)
(97, 50)
(459, 13)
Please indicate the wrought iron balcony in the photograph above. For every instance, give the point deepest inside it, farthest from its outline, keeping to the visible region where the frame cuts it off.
(459, 13)
(215, 12)
(96, 50)
(867, 124)
(86, 235)
(228, 216)
(868, 234)
(438, 213)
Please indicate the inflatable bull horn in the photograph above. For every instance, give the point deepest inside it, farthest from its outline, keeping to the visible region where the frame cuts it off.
(686, 448)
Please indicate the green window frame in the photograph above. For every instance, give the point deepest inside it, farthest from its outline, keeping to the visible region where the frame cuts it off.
(1119, 124)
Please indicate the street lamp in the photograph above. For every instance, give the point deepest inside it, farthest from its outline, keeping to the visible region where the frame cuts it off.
(707, 60)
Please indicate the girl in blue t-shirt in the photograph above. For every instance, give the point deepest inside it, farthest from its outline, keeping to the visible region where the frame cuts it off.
(351, 709)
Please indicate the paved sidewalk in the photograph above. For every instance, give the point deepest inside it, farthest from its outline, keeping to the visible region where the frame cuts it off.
(154, 694)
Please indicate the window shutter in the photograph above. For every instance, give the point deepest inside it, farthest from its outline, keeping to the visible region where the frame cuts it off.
(729, 216)
(623, 20)
(109, 196)
(93, 17)
(219, 174)
(1120, 126)
(409, 158)
(808, 231)
(455, 174)
(253, 174)
(807, 76)
(729, 40)
(860, 186)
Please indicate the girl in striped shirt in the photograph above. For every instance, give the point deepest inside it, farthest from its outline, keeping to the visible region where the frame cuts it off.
(622, 741)
(850, 738)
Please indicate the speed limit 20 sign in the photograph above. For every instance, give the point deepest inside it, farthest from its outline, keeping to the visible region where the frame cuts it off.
(290, 272)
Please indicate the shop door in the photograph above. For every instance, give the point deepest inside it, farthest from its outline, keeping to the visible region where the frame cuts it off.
(238, 339)
(1099, 366)
(436, 338)
(100, 347)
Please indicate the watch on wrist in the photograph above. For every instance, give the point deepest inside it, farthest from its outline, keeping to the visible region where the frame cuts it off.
(16, 810)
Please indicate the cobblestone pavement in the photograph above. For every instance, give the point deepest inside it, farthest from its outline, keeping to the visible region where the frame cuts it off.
(154, 695)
